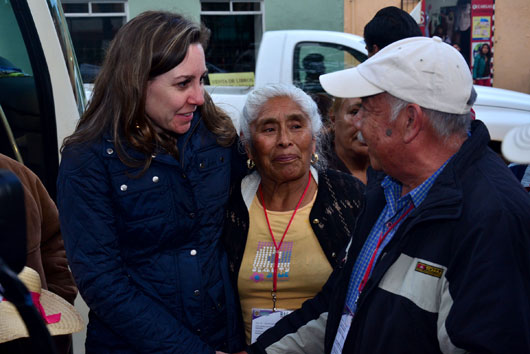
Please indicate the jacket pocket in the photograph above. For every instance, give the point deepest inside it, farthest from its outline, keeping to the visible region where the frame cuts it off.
(143, 198)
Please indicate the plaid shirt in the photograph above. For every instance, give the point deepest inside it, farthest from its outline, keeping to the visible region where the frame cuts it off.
(395, 207)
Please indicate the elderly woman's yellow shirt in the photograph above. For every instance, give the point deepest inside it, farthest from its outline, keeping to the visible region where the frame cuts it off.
(302, 269)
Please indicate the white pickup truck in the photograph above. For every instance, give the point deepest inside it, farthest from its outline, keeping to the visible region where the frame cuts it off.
(281, 60)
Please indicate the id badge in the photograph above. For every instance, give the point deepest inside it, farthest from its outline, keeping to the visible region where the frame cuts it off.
(263, 319)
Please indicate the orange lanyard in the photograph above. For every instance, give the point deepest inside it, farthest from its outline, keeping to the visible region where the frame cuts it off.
(278, 246)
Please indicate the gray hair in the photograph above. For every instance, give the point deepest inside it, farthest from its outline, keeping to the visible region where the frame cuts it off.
(258, 97)
(396, 106)
(444, 124)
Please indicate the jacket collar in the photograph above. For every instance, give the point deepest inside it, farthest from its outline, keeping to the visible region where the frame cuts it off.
(444, 200)
(160, 155)
(446, 193)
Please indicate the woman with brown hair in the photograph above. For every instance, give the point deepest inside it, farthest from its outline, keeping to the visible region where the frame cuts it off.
(141, 192)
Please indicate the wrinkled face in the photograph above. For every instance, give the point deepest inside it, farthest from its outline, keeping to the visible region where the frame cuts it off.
(346, 133)
(172, 97)
(282, 141)
(379, 133)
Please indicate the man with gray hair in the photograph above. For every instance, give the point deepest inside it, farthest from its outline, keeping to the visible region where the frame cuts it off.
(439, 261)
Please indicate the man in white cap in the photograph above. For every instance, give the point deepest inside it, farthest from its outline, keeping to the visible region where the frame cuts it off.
(439, 261)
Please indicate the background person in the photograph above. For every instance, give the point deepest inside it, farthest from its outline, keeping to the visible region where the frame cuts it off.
(285, 205)
(516, 148)
(440, 32)
(45, 248)
(314, 66)
(522, 173)
(142, 187)
(482, 66)
(324, 102)
(389, 24)
(462, 32)
(345, 152)
(59, 316)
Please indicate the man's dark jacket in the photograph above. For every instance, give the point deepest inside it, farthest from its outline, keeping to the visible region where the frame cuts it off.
(455, 277)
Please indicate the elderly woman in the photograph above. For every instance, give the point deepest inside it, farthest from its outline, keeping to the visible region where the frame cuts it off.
(286, 222)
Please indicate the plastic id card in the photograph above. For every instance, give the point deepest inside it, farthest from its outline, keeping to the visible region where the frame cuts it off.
(263, 319)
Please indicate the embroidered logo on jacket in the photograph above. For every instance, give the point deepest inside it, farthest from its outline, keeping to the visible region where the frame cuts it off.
(429, 270)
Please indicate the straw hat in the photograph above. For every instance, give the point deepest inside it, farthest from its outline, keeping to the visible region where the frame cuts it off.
(11, 324)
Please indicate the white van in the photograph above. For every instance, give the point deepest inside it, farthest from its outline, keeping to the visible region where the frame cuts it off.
(41, 92)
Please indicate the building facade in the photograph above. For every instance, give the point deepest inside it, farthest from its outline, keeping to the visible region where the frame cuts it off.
(507, 20)
(237, 27)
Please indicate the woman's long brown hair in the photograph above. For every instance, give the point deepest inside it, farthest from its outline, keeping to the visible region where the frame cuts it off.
(149, 45)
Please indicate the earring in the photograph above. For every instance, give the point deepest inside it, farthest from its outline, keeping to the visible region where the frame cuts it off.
(250, 164)
(314, 158)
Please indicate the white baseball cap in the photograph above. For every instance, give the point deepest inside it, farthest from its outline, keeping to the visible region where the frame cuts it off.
(516, 145)
(420, 70)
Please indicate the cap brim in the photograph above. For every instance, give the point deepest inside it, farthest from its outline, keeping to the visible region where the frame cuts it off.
(516, 145)
(348, 83)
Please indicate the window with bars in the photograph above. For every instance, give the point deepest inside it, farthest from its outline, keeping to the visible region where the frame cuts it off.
(236, 30)
(92, 26)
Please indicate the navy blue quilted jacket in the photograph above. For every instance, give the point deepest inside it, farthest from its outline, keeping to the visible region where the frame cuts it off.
(145, 251)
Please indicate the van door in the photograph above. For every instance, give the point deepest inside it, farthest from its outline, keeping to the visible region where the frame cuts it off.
(28, 119)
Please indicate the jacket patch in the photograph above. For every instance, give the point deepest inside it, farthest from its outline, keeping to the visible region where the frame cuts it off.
(423, 288)
(429, 270)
